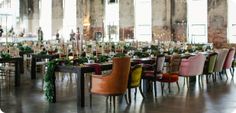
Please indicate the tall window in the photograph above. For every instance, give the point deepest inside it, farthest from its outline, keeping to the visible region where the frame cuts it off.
(111, 21)
(46, 18)
(143, 20)
(69, 19)
(231, 21)
(9, 12)
(197, 21)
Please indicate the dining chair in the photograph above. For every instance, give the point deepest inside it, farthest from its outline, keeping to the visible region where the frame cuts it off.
(192, 66)
(135, 80)
(171, 76)
(153, 75)
(113, 84)
(233, 64)
(210, 65)
(229, 60)
(222, 53)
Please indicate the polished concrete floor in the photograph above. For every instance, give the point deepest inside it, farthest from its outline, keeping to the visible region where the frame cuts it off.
(218, 97)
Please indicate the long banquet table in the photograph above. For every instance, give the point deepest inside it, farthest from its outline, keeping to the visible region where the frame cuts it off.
(17, 62)
(81, 70)
(36, 57)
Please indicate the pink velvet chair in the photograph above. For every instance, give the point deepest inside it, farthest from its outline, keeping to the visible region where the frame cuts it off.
(229, 60)
(192, 66)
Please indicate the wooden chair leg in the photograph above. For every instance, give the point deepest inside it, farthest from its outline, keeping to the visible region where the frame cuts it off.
(187, 81)
(155, 88)
(135, 93)
(90, 97)
(214, 77)
(202, 80)
(231, 71)
(162, 88)
(126, 99)
(107, 98)
(110, 97)
(140, 90)
(207, 79)
(114, 102)
(220, 74)
(177, 83)
(169, 87)
(199, 80)
(184, 81)
(226, 73)
(129, 95)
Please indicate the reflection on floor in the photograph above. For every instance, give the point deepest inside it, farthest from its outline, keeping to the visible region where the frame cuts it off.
(219, 97)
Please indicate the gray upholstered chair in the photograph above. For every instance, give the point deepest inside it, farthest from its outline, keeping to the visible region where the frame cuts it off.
(222, 53)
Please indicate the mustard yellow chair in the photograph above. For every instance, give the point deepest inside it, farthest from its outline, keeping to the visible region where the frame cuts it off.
(135, 80)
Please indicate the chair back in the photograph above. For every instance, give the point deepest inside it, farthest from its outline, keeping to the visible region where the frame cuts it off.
(192, 66)
(135, 76)
(120, 73)
(174, 63)
(211, 63)
(222, 53)
(160, 60)
(229, 59)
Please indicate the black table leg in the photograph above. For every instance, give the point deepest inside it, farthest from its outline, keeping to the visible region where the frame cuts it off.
(145, 85)
(33, 68)
(80, 89)
(17, 73)
(22, 65)
(54, 88)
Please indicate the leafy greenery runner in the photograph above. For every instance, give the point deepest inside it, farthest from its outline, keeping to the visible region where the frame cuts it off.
(49, 93)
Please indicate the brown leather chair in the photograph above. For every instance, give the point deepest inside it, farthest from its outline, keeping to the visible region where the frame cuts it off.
(113, 84)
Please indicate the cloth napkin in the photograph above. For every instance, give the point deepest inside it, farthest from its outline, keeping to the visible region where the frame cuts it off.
(97, 68)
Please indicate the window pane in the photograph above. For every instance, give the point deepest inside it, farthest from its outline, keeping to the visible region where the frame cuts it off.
(112, 22)
(143, 20)
(231, 21)
(197, 21)
(46, 19)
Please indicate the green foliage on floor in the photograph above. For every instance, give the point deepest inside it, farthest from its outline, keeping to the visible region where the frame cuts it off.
(49, 79)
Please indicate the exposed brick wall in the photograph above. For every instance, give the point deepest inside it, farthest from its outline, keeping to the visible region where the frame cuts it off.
(126, 33)
(217, 22)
